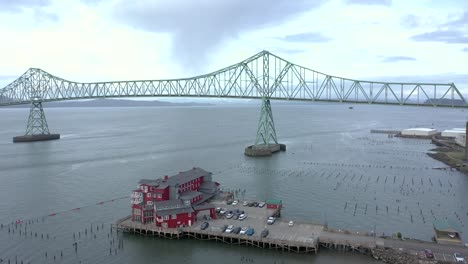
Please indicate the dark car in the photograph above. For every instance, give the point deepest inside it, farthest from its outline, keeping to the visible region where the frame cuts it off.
(229, 202)
(223, 228)
(204, 225)
(250, 232)
(264, 233)
(236, 216)
(236, 230)
(428, 253)
(250, 204)
(255, 204)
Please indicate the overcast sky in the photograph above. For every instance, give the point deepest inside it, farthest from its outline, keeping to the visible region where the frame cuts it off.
(98, 40)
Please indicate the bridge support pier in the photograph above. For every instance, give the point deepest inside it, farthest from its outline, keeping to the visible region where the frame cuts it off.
(266, 142)
(37, 129)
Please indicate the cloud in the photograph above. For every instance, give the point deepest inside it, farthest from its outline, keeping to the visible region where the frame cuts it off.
(370, 2)
(447, 36)
(397, 59)
(286, 51)
(410, 21)
(198, 28)
(454, 31)
(465, 49)
(16, 6)
(306, 37)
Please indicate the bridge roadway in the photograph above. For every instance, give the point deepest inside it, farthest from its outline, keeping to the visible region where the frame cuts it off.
(302, 233)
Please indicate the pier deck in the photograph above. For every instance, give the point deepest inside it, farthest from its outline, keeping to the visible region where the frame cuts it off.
(301, 238)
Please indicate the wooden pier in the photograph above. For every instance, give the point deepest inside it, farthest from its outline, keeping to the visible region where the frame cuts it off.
(303, 237)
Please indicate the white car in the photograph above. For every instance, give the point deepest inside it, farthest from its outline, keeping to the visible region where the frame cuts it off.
(222, 211)
(229, 229)
(261, 204)
(459, 257)
(229, 216)
(245, 203)
(244, 230)
(291, 223)
(271, 220)
(242, 217)
(235, 202)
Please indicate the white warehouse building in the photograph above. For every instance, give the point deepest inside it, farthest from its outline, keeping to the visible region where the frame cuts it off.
(419, 131)
(453, 133)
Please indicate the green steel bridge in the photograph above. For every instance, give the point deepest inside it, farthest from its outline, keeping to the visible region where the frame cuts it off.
(263, 76)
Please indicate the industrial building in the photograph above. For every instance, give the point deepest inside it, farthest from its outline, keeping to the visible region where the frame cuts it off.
(174, 201)
(424, 132)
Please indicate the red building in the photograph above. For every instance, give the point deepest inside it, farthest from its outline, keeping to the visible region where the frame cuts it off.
(174, 201)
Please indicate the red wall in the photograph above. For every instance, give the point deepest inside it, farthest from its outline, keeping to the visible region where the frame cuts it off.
(181, 219)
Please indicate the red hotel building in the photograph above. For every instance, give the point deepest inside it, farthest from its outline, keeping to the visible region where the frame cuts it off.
(174, 201)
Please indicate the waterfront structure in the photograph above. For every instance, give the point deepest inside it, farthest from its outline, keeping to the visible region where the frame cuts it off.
(420, 131)
(447, 232)
(274, 204)
(453, 133)
(174, 201)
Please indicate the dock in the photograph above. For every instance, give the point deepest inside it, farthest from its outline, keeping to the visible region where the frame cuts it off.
(302, 237)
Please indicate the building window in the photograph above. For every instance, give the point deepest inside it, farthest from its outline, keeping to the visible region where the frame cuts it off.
(189, 214)
(174, 216)
(148, 195)
(159, 196)
(166, 217)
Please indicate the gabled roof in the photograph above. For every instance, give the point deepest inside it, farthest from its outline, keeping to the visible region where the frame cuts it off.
(169, 205)
(446, 226)
(186, 176)
(188, 195)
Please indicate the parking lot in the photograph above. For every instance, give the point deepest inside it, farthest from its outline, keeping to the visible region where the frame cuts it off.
(257, 219)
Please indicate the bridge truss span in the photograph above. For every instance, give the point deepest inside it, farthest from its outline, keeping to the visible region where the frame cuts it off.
(262, 75)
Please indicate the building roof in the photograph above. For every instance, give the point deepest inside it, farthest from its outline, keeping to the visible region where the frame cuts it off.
(208, 187)
(188, 195)
(422, 129)
(168, 204)
(156, 182)
(175, 211)
(274, 201)
(186, 176)
(446, 226)
(203, 206)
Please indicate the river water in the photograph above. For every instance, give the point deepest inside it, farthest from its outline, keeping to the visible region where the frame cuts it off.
(334, 171)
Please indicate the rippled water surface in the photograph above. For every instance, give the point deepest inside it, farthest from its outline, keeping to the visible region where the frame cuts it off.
(334, 171)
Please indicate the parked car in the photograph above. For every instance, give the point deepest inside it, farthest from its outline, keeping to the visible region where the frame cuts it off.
(223, 228)
(204, 225)
(459, 257)
(222, 211)
(235, 217)
(229, 202)
(264, 233)
(229, 215)
(242, 217)
(255, 204)
(218, 209)
(235, 202)
(229, 229)
(250, 232)
(452, 235)
(428, 253)
(291, 223)
(250, 204)
(261, 204)
(271, 220)
(245, 203)
(244, 230)
(236, 230)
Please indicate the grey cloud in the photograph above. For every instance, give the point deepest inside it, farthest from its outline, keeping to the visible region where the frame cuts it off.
(306, 37)
(370, 2)
(447, 36)
(397, 59)
(460, 21)
(198, 28)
